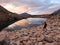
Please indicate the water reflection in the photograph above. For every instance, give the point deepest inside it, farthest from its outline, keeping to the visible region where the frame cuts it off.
(26, 23)
(37, 20)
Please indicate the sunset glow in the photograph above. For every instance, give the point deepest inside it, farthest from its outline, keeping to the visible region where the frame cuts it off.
(31, 6)
(15, 9)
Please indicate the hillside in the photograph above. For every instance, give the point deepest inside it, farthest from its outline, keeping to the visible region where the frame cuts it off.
(45, 34)
(56, 12)
(7, 17)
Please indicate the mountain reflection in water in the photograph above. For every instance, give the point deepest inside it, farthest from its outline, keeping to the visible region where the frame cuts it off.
(37, 20)
(26, 23)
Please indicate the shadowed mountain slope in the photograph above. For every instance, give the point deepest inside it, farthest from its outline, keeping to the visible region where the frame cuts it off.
(7, 17)
(56, 12)
(46, 34)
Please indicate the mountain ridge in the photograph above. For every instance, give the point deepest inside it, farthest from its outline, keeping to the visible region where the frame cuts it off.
(7, 17)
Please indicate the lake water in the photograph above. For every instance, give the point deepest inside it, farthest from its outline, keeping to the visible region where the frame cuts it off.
(37, 20)
(26, 23)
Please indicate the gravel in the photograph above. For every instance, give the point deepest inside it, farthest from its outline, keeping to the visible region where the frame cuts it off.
(34, 35)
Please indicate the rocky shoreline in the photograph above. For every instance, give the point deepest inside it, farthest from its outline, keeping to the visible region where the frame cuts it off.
(40, 35)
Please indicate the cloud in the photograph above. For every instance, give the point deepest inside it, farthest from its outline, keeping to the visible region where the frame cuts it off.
(30, 6)
(19, 9)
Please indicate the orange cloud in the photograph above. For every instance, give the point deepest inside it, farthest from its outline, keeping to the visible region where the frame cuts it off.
(17, 9)
(21, 9)
(2, 4)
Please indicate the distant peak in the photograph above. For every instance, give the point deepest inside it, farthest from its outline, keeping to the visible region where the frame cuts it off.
(25, 13)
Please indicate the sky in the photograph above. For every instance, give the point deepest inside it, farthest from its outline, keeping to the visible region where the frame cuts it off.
(31, 6)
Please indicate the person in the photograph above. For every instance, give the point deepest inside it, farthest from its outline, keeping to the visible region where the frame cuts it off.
(45, 25)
